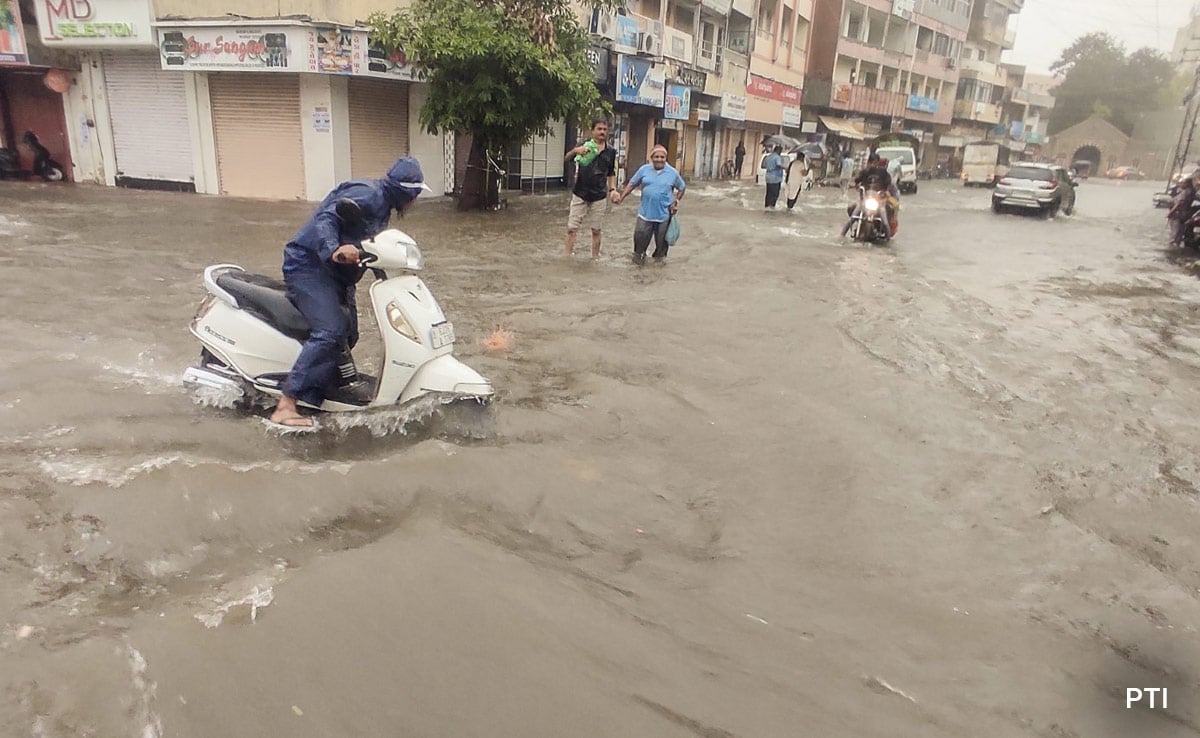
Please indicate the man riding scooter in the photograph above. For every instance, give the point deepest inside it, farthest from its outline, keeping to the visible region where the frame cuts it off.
(320, 268)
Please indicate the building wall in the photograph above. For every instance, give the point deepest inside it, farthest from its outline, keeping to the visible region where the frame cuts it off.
(341, 11)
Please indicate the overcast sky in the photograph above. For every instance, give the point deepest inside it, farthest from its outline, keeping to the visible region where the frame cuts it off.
(1046, 27)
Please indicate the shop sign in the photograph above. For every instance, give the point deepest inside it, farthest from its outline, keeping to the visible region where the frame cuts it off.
(772, 90)
(12, 35)
(83, 23)
(922, 104)
(678, 104)
(841, 94)
(951, 142)
(637, 34)
(279, 48)
(733, 106)
(808, 126)
(791, 116)
(703, 115)
(598, 57)
(639, 81)
(690, 77)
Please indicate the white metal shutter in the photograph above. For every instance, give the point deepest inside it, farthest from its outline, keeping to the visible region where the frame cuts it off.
(256, 123)
(378, 125)
(148, 109)
(542, 156)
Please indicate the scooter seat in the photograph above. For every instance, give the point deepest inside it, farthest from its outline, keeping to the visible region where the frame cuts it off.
(266, 299)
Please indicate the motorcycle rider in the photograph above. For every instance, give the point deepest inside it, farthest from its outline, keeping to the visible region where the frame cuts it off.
(1182, 207)
(874, 178)
(320, 268)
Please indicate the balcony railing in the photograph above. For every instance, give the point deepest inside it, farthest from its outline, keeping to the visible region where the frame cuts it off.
(861, 99)
(977, 111)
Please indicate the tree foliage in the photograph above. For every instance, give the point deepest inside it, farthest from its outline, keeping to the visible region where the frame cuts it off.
(1099, 77)
(500, 70)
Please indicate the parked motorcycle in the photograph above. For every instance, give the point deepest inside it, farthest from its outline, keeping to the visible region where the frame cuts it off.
(868, 219)
(43, 165)
(251, 334)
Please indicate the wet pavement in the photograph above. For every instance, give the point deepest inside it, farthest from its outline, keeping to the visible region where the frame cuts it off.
(782, 485)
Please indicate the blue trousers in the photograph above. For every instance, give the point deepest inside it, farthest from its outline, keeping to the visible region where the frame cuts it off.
(328, 306)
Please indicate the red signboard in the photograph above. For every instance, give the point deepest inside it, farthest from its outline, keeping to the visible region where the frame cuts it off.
(772, 90)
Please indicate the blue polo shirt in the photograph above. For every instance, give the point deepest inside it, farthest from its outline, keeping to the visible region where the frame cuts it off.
(658, 191)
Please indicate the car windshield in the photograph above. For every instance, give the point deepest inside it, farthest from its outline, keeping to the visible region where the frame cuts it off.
(904, 156)
(1035, 173)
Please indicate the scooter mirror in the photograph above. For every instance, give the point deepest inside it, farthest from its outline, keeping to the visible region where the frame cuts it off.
(348, 211)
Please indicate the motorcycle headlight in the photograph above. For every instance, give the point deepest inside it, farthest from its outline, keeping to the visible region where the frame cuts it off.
(396, 317)
(871, 204)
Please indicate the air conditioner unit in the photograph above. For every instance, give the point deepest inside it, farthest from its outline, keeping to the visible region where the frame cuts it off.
(739, 43)
(604, 24)
(649, 44)
(951, 62)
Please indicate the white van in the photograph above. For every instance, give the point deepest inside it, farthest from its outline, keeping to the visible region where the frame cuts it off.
(908, 165)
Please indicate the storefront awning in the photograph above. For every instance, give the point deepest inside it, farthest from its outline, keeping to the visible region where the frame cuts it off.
(843, 128)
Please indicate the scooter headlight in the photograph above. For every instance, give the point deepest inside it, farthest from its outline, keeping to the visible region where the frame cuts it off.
(871, 204)
(396, 317)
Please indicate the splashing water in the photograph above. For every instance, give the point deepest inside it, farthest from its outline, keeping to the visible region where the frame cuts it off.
(500, 341)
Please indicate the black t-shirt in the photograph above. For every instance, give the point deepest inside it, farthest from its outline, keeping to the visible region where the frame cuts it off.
(591, 184)
(875, 178)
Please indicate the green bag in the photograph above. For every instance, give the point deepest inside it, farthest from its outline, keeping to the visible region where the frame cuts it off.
(673, 229)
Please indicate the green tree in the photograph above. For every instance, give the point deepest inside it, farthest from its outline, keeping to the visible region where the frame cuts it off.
(499, 70)
(1098, 77)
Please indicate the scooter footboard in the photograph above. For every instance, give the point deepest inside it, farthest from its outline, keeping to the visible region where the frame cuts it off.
(449, 375)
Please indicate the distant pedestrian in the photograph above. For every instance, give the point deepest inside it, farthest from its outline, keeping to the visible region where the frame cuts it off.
(739, 156)
(662, 189)
(847, 173)
(774, 177)
(595, 185)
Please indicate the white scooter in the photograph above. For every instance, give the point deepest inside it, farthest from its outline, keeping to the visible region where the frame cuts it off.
(252, 334)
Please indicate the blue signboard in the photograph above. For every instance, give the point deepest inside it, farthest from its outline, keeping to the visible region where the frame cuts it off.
(638, 81)
(922, 104)
(627, 34)
(679, 103)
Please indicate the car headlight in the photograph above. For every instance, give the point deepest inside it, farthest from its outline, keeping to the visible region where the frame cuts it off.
(396, 317)
(871, 204)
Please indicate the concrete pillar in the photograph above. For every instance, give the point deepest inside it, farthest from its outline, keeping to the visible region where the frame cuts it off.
(428, 149)
(200, 125)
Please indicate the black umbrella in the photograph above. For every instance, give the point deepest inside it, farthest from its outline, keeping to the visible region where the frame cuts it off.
(787, 142)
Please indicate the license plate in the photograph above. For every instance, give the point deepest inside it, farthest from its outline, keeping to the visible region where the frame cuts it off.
(441, 335)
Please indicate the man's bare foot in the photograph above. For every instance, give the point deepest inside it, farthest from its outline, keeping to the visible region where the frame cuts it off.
(287, 414)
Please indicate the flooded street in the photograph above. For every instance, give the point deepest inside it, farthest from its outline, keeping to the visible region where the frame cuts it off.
(782, 485)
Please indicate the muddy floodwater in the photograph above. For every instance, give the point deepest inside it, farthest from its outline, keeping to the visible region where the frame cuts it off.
(781, 485)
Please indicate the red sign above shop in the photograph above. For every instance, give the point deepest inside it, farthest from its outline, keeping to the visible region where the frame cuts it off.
(772, 90)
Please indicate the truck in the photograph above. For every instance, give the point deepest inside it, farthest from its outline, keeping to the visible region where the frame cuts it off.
(984, 163)
(900, 147)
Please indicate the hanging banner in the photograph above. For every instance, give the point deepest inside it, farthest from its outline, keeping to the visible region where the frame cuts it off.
(12, 34)
(678, 104)
(640, 82)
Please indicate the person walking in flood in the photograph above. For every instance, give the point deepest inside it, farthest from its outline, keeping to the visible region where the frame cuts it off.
(595, 186)
(774, 177)
(662, 189)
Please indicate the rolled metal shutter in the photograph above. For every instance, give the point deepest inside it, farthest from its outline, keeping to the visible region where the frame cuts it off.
(256, 123)
(378, 125)
(148, 109)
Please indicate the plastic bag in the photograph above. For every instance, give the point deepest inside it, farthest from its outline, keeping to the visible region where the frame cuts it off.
(673, 229)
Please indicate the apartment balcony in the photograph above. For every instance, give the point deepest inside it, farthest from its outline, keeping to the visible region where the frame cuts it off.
(958, 18)
(868, 100)
(678, 45)
(983, 71)
(927, 110)
(1010, 39)
(979, 112)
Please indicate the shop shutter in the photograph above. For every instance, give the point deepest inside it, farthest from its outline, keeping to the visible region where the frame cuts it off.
(378, 125)
(256, 122)
(148, 109)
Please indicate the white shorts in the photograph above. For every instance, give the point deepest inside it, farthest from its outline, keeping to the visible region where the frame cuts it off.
(589, 214)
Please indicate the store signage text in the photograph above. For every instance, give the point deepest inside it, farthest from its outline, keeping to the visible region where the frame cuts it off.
(92, 22)
(772, 90)
(679, 103)
(733, 107)
(690, 77)
(640, 81)
(922, 104)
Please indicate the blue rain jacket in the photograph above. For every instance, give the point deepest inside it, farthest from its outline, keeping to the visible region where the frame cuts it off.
(311, 249)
